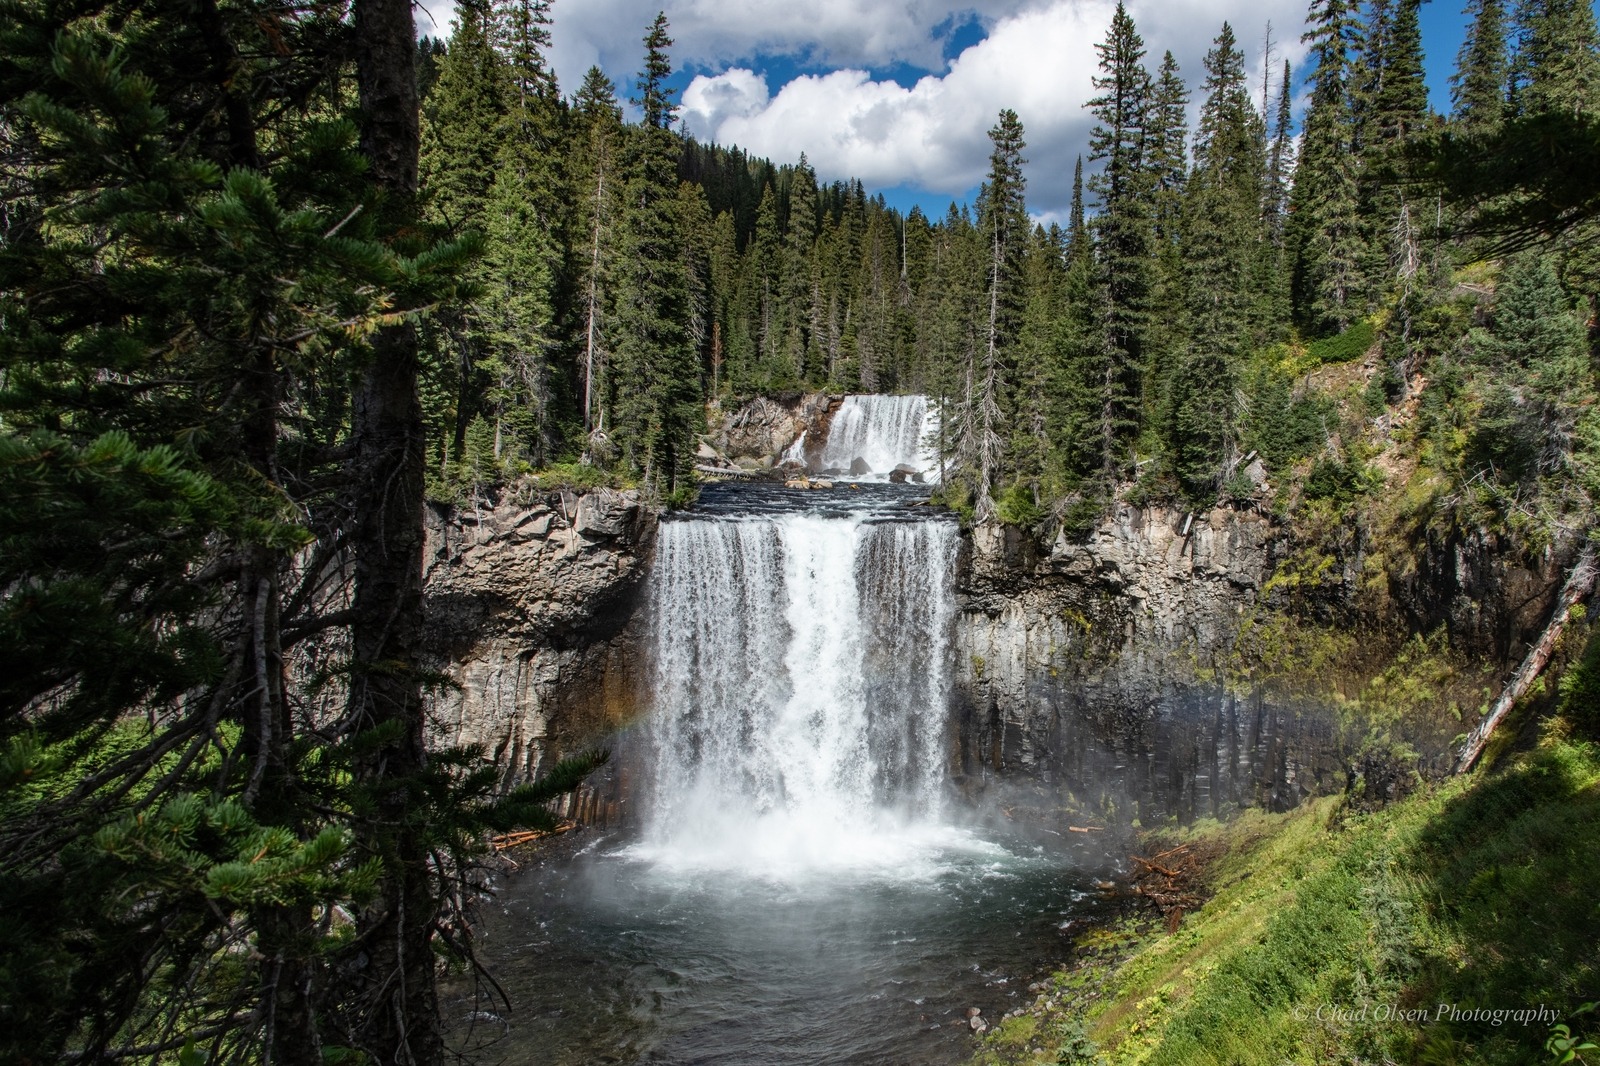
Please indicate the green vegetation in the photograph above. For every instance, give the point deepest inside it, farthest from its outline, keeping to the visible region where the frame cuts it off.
(1335, 935)
(270, 274)
(1210, 296)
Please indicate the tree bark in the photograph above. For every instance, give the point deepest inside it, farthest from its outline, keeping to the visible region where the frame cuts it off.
(397, 1005)
(1580, 582)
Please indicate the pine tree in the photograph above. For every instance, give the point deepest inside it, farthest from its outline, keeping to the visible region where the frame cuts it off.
(1003, 228)
(1280, 158)
(1166, 151)
(800, 294)
(596, 184)
(461, 133)
(1558, 60)
(1542, 381)
(656, 386)
(1479, 86)
(1394, 111)
(1123, 228)
(1168, 129)
(1078, 243)
(1271, 276)
(1325, 239)
(1222, 229)
(1037, 360)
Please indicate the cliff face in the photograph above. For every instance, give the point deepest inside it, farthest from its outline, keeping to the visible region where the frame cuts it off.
(528, 609)
(1089, 669)
(1143, 667)
(1123, 672)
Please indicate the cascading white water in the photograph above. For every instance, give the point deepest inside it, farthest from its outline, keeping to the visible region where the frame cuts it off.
(801, 668)
(883, 432)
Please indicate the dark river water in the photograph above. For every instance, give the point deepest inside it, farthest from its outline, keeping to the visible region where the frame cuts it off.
(614, 954)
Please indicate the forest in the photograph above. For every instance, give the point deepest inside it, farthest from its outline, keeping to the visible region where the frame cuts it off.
(274, 273)
(1158, 337)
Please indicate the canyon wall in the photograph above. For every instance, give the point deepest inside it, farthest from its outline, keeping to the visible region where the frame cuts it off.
(528, 607)
(1112, 673)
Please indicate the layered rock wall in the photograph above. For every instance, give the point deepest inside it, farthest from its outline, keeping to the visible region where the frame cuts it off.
(1107, 672)
(1100, 673)
(528, 610)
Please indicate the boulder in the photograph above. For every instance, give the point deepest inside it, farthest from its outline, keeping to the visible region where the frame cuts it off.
(904, 473)
(858, 467)
(605, 513)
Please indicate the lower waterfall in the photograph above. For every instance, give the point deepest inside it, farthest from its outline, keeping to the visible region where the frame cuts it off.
(801, 674)
(800, 884)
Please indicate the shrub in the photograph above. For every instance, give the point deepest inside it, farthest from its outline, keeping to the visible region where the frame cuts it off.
(1353, 343)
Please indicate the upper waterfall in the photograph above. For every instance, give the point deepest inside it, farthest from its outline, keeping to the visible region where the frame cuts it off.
(801, 669)
(870, 436)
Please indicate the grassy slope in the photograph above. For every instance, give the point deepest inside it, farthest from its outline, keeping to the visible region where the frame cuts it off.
(1482, 893)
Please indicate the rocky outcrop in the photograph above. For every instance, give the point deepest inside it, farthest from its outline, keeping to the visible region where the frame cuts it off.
(1089, 668)
(528, 605)
(1098, 672)
(757, 434)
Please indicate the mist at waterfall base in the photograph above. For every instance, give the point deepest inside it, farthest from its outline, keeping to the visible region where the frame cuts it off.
(801, 888)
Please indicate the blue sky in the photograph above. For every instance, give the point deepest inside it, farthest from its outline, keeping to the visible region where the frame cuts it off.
(902, 94)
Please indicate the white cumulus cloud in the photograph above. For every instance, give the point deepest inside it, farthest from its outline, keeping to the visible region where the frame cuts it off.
(719, 33)
(1039, 62)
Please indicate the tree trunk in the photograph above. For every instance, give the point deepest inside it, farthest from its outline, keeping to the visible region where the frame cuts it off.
(397, 1006)
(1580, 582)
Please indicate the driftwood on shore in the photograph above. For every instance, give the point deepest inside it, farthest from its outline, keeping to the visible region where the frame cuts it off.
(528, 836)
(734, 473)
(1580, 582)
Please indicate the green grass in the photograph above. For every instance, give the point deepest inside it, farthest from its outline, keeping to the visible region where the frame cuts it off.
(1479, 894)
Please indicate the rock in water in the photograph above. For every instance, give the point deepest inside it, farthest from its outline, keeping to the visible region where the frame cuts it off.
(859, 466)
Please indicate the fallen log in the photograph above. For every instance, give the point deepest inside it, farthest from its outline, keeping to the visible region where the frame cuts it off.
(734, 473)
(528, 836)
(1171, 875)
(1580, 582)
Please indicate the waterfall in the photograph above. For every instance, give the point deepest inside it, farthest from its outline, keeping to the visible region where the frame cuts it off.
(883, 432)
(801, 670)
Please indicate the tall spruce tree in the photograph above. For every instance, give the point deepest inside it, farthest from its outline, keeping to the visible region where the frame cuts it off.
(461, 132)
(655, 390)
(1221, 235)
(1325, 236)
(1003, 229)
(1558, 59)
(595, 191)
(1123, 230)
(1479, 86)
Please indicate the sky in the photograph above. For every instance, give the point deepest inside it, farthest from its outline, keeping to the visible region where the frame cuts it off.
(902, 94)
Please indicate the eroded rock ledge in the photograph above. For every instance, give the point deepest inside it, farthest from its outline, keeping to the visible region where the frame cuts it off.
(1088, 669)
(528, 607)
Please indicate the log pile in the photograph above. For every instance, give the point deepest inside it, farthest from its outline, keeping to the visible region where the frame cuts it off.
(1170, 881)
